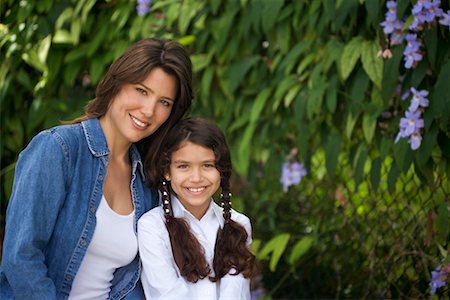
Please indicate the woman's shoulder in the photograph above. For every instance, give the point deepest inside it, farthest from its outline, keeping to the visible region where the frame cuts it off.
(63, 134)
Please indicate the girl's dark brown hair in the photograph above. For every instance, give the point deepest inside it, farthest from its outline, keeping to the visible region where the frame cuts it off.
(133, 67)
(231, 251)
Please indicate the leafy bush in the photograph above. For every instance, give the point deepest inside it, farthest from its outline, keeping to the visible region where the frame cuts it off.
(289, 81)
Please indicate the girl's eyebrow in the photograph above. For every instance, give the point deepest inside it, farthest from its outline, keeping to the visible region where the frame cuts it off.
(186, 162)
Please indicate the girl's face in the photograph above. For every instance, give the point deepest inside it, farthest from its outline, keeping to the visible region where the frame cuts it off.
(140, 109)
(193, 177)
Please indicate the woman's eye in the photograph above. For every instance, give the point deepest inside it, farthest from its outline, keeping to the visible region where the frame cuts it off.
(141, 91)
(166, 102)
(210, 166)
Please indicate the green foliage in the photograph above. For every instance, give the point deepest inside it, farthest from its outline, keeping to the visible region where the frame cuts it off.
(278, 76)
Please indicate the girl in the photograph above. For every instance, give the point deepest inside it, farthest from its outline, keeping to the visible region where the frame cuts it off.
(79, 189)
(191, 248)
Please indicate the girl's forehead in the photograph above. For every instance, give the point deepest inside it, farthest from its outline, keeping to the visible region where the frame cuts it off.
(192, 151)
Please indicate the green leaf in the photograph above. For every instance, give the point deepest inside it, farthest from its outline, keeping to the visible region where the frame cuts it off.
(292, 57)
(403, 155)
(431, 38)
(331, 94)
(259, 104)
(391, 74)
(332, 154)
(440, 99)
(350, 56)
(373, 9)
(427, 145)
(372, 64)
(351, 121)
(205, 84)
(375, 173)
(282, 89)
(300, 248)
(360, 160)
(369, 124)
(291, 94)
(442, 221)
(392, 178)
(270, 11)
(62, 36)
(188, 10)
(234, 75)
(244, 150)
(200, 61)
(276, 246)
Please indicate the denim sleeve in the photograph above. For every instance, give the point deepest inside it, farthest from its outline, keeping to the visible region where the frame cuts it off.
(38, 193)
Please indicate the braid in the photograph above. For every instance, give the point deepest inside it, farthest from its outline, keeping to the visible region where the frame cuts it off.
(167, 205)
(187, 250)
(231, 254)
(226, 205)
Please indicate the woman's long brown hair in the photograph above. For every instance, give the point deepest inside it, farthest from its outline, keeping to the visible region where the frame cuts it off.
(132, 67)
(231, 253)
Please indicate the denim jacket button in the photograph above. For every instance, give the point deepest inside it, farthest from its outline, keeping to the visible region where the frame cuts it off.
(100, 177)
(83, 243)
(92, 209)
(68, 277)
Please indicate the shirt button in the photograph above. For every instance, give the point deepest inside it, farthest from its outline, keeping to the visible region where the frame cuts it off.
(83, 242)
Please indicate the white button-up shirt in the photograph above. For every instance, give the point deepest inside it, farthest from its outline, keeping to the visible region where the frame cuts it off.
(161, 277)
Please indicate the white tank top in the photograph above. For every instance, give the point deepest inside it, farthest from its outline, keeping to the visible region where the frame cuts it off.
(113, 245)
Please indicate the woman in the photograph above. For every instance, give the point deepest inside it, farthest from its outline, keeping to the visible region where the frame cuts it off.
(190, 247)
(79, 188)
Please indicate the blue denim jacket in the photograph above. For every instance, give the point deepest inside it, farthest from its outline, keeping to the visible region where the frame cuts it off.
(51, 219)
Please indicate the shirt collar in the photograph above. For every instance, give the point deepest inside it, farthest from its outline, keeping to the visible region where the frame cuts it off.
(98, 146)
(95, 137)
(179, 211)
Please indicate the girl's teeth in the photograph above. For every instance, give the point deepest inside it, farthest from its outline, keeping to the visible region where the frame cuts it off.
(196, 190)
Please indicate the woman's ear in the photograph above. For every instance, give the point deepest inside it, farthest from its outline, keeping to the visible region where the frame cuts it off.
(167, 176)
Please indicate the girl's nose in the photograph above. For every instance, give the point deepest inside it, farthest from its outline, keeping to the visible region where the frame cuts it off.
(196, 175)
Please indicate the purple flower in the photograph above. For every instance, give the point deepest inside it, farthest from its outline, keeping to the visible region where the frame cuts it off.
(425, 11)
(143, 7)
(445, 19)
(415, 140)
(392, 27)
(411, 123)
(412, 50)
(291, 174)
(256, 293)
(438, 279)
(418, 99)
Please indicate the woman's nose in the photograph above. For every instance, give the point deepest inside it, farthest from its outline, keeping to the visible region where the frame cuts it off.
(148, 108)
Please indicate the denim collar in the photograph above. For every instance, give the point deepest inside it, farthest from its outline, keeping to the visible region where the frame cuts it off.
(98, 146)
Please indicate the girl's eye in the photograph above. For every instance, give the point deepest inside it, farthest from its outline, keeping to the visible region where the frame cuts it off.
(141, 91)
(182, 166)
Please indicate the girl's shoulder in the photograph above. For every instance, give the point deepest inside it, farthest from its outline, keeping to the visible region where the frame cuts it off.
(240, 217)
(153, 216)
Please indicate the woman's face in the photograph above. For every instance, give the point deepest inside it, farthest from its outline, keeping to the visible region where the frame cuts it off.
(140, 109)
(193, 177)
